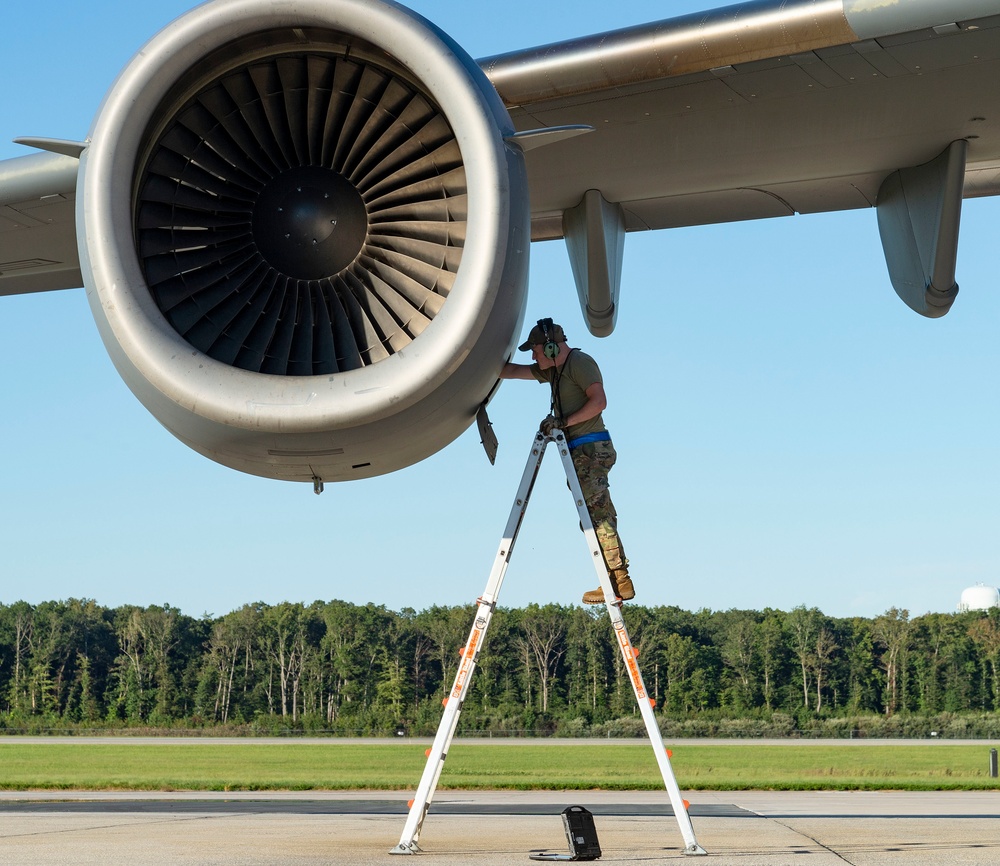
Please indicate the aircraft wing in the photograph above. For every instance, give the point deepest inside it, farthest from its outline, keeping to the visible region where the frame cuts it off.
(758, 110)
(37, 224)
(763, 109)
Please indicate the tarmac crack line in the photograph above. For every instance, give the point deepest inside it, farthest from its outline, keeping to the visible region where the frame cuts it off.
(798, 832)
(122, 826)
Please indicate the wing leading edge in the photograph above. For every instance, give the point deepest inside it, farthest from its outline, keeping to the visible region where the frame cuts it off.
(758, 110)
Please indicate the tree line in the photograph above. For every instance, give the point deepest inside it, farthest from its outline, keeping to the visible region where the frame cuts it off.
(546, 669)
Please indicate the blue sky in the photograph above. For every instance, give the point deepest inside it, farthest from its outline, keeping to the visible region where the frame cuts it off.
(788, 431)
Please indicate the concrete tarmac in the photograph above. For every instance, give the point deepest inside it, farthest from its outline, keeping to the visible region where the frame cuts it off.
(489, 828)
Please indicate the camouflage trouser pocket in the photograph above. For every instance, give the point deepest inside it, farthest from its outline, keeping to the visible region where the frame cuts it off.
(599, 455)
(593, 462)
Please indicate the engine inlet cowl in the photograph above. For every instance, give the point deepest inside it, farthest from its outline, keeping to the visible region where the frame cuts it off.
(303, 236)
(302, 214)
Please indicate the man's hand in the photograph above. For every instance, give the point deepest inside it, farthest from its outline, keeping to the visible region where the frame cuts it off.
(548, 425)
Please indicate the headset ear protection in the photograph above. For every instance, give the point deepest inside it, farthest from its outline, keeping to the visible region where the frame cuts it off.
(551, 347)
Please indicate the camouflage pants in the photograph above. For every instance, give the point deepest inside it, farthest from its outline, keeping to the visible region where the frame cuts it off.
(593, 462)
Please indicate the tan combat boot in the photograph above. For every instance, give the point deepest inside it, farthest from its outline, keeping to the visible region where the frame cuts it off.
(621, 583)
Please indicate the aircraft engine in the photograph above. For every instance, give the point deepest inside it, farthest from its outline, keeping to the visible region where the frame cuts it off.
(303, 235)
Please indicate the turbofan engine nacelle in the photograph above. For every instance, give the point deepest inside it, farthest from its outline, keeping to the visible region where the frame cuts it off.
(303, 236)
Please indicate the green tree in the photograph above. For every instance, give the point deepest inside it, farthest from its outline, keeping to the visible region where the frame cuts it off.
(541, 638)
(985, 634)
(739, 653)
(892, 631)
(769, 645)
(803, 627)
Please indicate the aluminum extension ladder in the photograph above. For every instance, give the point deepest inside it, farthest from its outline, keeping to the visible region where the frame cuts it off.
(487, 602)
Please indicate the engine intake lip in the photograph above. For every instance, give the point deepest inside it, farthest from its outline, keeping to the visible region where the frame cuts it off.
(176, 378)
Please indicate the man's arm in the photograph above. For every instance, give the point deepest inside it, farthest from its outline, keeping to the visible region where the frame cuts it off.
(516, 371)
(597, 402)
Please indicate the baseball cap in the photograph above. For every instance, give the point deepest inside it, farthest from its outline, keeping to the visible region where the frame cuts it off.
(537, 337)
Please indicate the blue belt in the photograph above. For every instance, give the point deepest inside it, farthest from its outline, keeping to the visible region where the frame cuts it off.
(600, 436)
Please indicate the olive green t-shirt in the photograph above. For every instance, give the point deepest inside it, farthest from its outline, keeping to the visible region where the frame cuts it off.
(578, 372)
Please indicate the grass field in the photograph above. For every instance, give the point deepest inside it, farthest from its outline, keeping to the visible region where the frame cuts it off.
(332, 765)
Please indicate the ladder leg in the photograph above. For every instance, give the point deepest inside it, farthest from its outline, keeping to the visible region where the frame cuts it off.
(421, 802)
(628, 653)
(445, 732)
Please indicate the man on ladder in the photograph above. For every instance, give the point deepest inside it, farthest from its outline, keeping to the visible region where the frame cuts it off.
(578, 398)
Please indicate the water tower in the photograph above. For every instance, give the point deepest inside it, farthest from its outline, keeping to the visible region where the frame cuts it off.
(979, 597)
